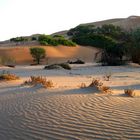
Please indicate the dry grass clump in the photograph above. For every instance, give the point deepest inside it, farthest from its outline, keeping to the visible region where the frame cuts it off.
(83, 85)
(96, 83)
(39, 80)
(129, 92)
(5, 75)
(99, 85)
(105, 89)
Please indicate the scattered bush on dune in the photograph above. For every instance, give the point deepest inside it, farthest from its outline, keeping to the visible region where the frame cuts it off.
(129, 92)
(52, 66)
(78, 61)
(83, 85)
(55, 40)
(96, 83)
(5, 75)
(65, 66)
(98, 86)
(105, 89)
(39, 80)
(7, 61)
(19, 39)
(134, 46)
(38, 54)
(110, 39)
(58, 66)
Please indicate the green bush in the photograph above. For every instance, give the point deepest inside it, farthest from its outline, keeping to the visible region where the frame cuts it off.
(111, 39)
(62, 41)
(18, 39)
(134, 46)
(38, 54)
(33, 38)
(54, 40)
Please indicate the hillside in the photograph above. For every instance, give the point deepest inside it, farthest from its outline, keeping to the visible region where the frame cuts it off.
(130, 23)
(20, 50)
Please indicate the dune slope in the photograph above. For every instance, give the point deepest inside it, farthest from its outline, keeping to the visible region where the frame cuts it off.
(54, 54)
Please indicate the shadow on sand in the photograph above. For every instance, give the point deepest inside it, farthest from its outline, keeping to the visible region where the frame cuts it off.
(137, 86)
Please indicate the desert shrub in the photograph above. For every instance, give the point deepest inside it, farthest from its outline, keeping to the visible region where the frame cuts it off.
(5, 75)
(18, 39)
(113, 55)
(112, 50)
(83, 85)
(129, 92)
(34, 38)
(65, 66)
(78, 61)
(109, 38)
(35, 80)
(96, 83)
(7, 60)
(134, 45)
(43, 43)
(55, 40)
(47, 40)
(58, 66)
(38, 54)
(52, 66)
(86, 31)
(99, 41)
(135, 55)
(99, 86)
(65, 42)
(105, 89)
(112, 31)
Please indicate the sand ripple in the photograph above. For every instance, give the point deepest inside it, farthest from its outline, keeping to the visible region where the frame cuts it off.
(30, 113)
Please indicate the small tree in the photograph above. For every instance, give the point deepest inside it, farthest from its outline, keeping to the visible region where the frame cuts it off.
(38, 54)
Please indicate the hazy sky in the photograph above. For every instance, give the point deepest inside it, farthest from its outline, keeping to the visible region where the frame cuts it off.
(26, 17)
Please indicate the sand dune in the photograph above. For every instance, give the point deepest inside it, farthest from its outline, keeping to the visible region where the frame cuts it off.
(55, 54)
(67, 111)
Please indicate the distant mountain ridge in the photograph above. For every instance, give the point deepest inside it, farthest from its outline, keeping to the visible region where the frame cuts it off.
(130, 23)
(126, 23)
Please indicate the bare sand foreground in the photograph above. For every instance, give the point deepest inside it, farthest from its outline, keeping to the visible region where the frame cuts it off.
(67, 111)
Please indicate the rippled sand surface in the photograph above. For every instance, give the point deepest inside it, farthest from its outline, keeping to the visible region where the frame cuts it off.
(33, 113)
